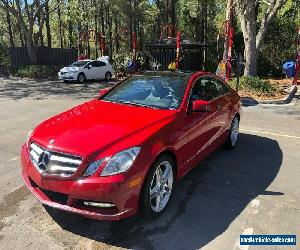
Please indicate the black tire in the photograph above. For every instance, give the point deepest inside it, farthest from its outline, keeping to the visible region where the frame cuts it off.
(81, 78)
(232, 140)
(108, 76)
(146, 202)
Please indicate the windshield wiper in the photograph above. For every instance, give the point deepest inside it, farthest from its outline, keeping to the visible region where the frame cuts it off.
(138, 104)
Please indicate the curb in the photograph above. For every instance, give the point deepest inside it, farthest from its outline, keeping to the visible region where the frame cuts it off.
(247, 101)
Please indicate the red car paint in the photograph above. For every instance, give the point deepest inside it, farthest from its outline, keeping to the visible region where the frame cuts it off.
(99, 129)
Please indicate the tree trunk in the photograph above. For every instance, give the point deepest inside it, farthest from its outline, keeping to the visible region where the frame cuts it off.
(267, 18)
(109, 26)
(39, 34)
(30, 47)
(23, 43)
(47, 22)
(87, 40)
(204, 31)
(96, 35)
(158, 18)
(60, 25)
(80, 45)
(39, 40)
(70, 32)
(116, 35)
(250, 52)
(253, 39)
(172, 12)
(103, 25)
(246, 12)
(8, 19)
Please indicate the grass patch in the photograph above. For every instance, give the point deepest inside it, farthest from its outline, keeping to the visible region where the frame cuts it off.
(256, 85)
(36, 71)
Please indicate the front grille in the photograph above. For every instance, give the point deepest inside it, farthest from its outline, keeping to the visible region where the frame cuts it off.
(53, 163)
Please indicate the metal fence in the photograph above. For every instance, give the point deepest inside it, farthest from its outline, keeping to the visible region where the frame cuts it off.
(191, 55)
(44, 56)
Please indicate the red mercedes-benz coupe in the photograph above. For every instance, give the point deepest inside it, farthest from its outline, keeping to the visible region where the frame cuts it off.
(123, 151)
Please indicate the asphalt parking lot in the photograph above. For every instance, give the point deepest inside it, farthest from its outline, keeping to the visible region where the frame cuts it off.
(254, 189)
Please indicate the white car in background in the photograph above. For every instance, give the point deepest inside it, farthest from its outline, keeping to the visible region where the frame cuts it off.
(81, 71)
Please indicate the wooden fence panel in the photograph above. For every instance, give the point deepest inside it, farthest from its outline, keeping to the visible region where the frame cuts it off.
(44, 56)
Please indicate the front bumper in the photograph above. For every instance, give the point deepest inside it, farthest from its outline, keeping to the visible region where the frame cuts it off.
(104, 215)
(67, 76)
(69, 195)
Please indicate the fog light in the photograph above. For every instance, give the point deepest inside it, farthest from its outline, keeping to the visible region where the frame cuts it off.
(98, 204)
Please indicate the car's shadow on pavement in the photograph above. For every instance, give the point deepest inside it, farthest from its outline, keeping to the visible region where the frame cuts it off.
(204, 203)
(15, 89)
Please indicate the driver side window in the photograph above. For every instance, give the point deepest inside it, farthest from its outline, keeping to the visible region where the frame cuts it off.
(98, 64)
(202, 90)
(89, 65)
(207, 89)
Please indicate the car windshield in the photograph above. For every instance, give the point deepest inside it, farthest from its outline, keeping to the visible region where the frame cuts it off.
(79, 64)
(163, 91)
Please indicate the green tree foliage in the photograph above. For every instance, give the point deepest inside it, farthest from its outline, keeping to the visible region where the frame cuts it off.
(63, 23)
(280, 41)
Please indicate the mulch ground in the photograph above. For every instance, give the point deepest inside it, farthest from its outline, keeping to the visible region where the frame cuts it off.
(282, 85)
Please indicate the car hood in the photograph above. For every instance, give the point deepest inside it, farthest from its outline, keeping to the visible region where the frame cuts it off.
(68, 69)
(99, 126)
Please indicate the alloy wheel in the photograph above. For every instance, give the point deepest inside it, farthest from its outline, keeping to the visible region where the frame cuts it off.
(161, 186)
(81, 78)
(234, 131)
(108, 76)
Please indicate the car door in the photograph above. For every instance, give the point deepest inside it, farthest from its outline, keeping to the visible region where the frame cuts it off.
(88, 71)
(223, 97)
(96, 69)
(202, 127)
(102, 69)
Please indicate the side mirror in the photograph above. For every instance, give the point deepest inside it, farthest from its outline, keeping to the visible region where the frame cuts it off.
(88, 66)
(102, 92)
(200, 106)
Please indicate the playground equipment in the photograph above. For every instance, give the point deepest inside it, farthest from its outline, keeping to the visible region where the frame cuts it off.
(225, 66)
(297, 66)
(172, 52)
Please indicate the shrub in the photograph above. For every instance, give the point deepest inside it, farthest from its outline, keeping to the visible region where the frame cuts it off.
(4, 56)
(121, 60)
(256, 85)
(36, 71)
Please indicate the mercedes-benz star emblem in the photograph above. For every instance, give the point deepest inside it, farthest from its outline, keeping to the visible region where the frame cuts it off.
(44, 160)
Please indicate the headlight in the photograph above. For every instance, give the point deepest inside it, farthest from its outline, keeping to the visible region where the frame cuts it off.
(93, 167)
(120, 162)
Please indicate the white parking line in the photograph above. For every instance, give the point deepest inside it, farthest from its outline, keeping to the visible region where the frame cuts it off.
(270, 133)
